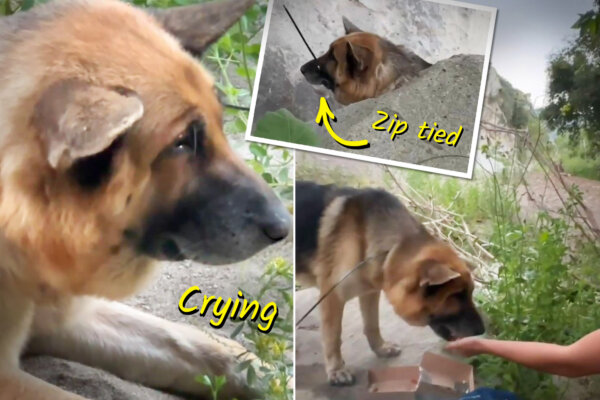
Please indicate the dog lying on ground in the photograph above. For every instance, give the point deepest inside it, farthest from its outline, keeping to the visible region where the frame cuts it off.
(361, 65)
(422, 277)
(112, 156)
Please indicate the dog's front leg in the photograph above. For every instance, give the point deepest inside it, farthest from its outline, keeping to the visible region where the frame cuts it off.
(16, 314)
(332, 310)
(369, 308)
(139, 347)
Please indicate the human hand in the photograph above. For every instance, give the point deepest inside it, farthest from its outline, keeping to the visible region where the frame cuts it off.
(467, 347)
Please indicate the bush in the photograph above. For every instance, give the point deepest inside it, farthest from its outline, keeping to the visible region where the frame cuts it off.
(543, 283)
(275, 349)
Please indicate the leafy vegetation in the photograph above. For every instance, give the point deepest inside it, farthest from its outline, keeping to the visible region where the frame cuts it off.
(541, 284)
(575, 160)
(574, 72)
(271, 375)
(283, 125)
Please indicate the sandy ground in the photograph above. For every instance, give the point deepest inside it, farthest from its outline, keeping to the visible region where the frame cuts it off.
(311, 379)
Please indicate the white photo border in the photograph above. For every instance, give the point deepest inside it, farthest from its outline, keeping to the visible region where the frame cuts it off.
(466, 175)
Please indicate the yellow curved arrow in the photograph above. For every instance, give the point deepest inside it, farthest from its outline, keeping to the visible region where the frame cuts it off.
(324, 115)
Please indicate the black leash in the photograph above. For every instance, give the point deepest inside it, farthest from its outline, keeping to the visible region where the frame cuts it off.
(233, 106)
(300, 33)
(358, 266)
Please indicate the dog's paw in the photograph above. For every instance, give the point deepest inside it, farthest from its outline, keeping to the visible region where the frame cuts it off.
(387, 350)
(340, 377)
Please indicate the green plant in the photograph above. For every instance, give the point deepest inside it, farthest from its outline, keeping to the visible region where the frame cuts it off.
(283, 125)
(575, 159)
(274, 350)
(274, 164)
(215, 384)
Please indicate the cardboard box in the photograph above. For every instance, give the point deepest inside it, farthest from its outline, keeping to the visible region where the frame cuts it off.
(436, 378)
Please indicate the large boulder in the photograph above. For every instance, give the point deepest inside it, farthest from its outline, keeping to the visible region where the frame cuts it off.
(89, 382)
(446, 93)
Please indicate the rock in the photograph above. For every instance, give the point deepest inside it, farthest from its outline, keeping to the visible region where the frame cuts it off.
(434, 31)
(89, 382)
(446, 93)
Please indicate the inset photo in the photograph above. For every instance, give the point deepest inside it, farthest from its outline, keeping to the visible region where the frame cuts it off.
(394, 82)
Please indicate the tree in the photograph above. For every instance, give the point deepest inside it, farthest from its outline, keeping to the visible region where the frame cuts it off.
(574, 89)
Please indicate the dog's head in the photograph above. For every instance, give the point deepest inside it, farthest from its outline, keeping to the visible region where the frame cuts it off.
(116, 151)
(351, 68)
(362, 65)
(433, 287)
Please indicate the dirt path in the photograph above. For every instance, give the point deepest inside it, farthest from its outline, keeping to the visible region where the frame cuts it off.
(541, 195)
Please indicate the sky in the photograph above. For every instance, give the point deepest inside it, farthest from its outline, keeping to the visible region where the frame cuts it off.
(527, 33)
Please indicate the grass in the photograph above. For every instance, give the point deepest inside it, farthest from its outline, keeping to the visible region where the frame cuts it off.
(576, 160)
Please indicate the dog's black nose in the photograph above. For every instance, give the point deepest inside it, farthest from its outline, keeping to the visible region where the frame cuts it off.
(277, 226)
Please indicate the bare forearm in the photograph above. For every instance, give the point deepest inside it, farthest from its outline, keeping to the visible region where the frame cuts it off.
(543, 357)
(579, 359)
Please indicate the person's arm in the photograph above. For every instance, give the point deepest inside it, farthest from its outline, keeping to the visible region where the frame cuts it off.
(582, 358)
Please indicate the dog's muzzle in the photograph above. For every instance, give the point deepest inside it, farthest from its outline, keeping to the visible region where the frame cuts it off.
(315, 75)
(465, 323)
(222, 221)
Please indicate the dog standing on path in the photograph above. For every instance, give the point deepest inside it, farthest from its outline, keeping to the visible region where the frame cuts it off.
(423, 278)
(361, 65)
(112, 156)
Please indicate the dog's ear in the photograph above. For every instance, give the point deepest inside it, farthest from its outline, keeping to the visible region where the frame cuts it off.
(349, 27)
(198, 26)
(358, 58)
(351, 59)
(77, 119)
(435, 274)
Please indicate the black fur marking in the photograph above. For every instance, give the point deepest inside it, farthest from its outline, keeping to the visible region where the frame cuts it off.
(93, 171)
(310, 205)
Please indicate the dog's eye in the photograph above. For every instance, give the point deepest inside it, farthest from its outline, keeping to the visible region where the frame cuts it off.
(192, 139)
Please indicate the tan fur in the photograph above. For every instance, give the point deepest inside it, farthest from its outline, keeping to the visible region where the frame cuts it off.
(86, 226)
(62, 248)
(377, 78)
(364, 65)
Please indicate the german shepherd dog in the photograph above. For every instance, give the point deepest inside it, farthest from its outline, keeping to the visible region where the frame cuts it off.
(361, 65)
(112, 156)
(422, 277)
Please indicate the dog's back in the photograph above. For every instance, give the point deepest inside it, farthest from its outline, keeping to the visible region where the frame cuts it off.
(382, 218)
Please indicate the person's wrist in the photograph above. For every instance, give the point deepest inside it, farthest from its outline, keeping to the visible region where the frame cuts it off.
(481, 346)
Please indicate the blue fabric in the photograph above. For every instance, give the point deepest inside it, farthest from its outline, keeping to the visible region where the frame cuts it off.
(490, 394)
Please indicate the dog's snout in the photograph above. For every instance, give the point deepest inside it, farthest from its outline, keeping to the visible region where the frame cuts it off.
(478, 327)
(466, 323)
